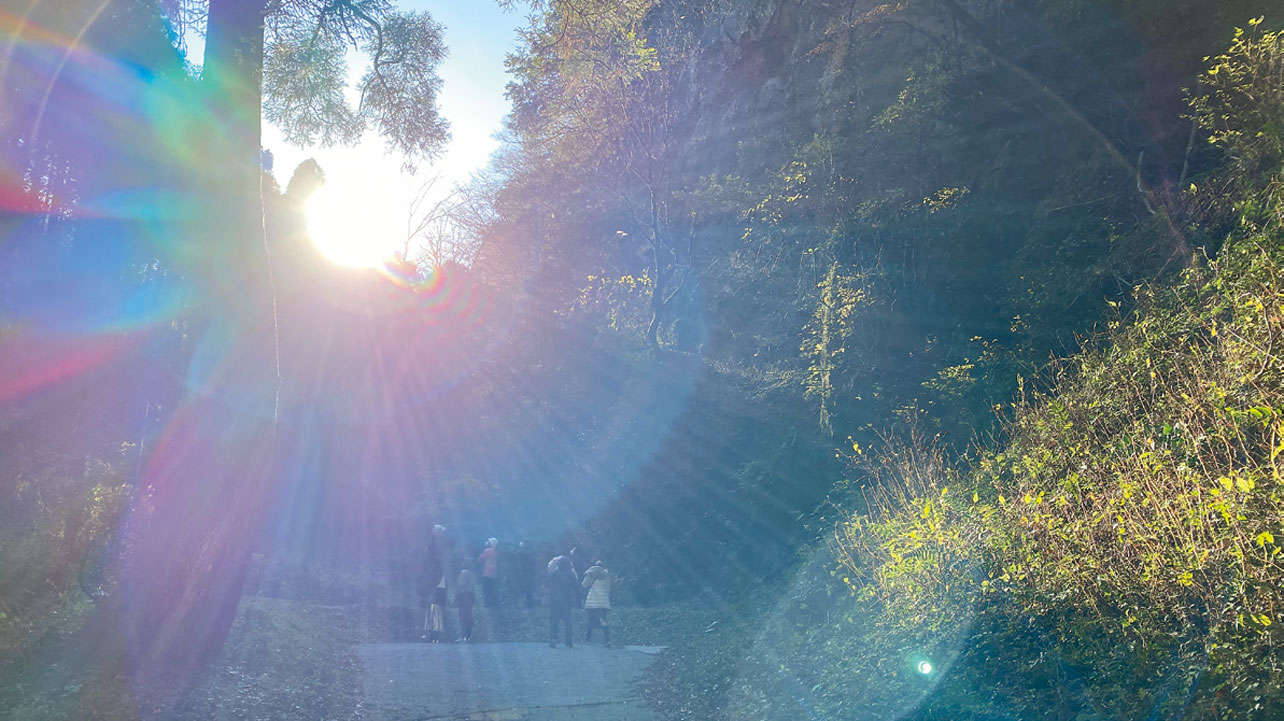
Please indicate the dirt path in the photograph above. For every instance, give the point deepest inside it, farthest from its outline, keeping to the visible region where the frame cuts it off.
(501, 682)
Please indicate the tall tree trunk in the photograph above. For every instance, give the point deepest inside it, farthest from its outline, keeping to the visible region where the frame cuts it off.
(233, 79)
(657, 296)
(233, 75)
(209, 479)
(237, 246)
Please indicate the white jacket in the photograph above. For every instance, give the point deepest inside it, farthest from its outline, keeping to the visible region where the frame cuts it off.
(598, 582)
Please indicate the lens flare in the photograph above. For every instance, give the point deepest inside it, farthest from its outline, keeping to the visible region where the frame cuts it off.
(352, 225)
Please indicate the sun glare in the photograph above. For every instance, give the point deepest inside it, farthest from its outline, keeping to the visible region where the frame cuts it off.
(356, 227)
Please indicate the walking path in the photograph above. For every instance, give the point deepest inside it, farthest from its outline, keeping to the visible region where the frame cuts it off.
(502, 682)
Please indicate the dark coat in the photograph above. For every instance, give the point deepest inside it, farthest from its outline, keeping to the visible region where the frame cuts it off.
(433, 571)
(563, 584)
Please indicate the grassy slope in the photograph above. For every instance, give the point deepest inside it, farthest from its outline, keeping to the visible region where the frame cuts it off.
(1120, 558)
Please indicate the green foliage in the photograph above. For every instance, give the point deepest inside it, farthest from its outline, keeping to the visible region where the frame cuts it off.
(921, 539)
(831, 328)
(920, 103)
(1135, 508)
(305, 74)
(589, 87)
(1240, 104)
(53, 552)
(617, 303)
(1113, 555)
(863, 207)
(1114, 558)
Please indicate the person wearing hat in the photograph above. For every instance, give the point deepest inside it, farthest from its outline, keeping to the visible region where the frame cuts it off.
(523, 565)
(489, 561)
(432, 585)
(598, 601)
(563, 595)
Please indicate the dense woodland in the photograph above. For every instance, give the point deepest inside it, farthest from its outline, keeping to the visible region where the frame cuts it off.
(932, 330)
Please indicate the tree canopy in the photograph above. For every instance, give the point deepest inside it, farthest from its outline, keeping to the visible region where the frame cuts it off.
(297, 52)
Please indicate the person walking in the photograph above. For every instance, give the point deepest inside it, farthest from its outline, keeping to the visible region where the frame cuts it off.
(432, 584)
(598, 601)
(465, 598)
(524, 573)
(489, 561)
(579, 562)
(563, 594)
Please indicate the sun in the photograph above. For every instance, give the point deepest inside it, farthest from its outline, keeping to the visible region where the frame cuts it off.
(354, 224)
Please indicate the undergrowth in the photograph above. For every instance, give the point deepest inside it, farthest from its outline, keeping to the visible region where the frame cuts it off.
(1118, 554)
(1132, 518)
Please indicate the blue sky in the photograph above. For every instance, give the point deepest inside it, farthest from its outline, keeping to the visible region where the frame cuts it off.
(366, 193)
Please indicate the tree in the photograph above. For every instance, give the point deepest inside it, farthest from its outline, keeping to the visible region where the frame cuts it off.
(433, 236)
(286, 60)
(206, 498)
(594, 92)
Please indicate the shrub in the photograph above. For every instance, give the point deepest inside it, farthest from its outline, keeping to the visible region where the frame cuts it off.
(1133, 516)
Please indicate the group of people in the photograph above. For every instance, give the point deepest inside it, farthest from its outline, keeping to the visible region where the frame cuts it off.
(465, 587)
(571, 581)
(566, 586)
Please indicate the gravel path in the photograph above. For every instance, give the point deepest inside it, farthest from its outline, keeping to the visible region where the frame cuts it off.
(502, 682)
